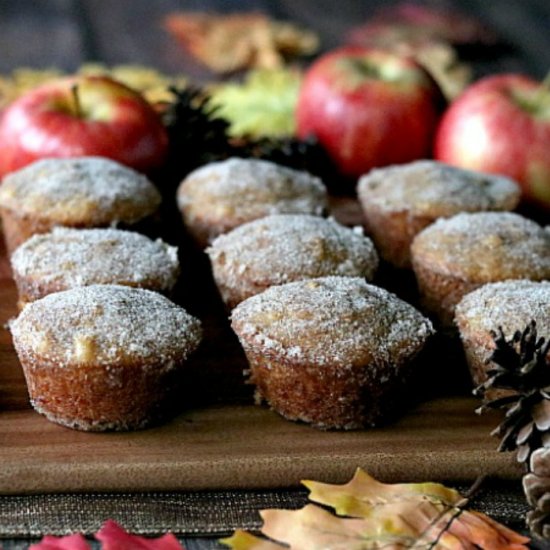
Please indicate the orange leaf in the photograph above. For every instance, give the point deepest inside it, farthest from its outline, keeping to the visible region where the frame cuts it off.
(423, 516)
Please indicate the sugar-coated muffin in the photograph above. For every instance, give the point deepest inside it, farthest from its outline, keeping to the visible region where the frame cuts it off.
(223, 195)
(456, 255)
(66, 258)
(104, 357)
(334, 352)
(287, 247)
(74, 192)
(399, 201)
(507, 305)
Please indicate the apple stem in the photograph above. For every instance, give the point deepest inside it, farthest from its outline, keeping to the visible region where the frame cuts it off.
(76, 101)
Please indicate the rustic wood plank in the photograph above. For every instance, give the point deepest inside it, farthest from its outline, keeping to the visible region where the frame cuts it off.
(221, 440)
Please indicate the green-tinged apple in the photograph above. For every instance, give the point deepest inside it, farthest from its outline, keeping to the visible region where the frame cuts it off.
(82, 116)
(501, 124)
(369, 108)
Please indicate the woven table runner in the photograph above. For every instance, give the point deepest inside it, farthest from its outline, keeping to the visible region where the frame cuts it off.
(191, 513)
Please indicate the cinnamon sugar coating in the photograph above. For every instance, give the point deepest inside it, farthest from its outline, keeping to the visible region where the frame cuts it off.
(75, 192)
(66, 258)
(223, 195)
(283, 248)
(103, 357)
(510, 305)
(399, 201)
(331, 351)
(455, 256)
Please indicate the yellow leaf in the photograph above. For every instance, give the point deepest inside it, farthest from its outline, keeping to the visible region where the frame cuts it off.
(421, 516)
(313, 528)
(241, 540)
(357, 497)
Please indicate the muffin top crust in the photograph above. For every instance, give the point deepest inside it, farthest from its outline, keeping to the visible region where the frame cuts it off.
(89, 191)
(105, 325)
(432, 188)
(484, 247)
(290, 247)
(238, 190)
(340, 321)
(511, 305)
(65, 258)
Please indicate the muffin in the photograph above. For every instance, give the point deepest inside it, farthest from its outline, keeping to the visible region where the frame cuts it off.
(399, 201)
(288, 247)
(66, 258)
(77, 192)
(510, 305)
(104, 357)
(333, 352)
(223, 195)
(456, 255)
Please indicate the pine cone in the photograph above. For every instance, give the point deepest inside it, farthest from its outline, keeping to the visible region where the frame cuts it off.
(522, 366)
(536, 486)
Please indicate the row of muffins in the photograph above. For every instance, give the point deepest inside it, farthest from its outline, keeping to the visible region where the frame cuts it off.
(81, 338)
(279, 249)
(100, 346)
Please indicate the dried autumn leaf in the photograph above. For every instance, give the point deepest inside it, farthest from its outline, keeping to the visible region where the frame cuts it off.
(365, 497)
(70, 542)
(377, 515)
(241, 540)
(262, 105)
(152, 84)
(114, 537)
(227, 43)
(357, 497)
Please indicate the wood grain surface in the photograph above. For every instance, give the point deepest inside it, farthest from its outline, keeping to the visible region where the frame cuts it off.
(221, 440)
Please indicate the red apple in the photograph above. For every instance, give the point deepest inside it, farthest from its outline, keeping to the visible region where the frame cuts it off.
(501, 124)
(369, 108)
(82, 116)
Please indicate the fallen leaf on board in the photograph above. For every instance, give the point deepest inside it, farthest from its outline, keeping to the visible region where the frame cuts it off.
(381, 516)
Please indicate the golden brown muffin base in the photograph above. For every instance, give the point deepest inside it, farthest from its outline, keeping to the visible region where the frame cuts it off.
(326, 397)
(440, 293)
(18, 228)
(393, 232)
(204, 231)
(31, 289)
(100, 397)
(233, 296)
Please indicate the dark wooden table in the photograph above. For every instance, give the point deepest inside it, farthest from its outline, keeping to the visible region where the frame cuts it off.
(66, 33)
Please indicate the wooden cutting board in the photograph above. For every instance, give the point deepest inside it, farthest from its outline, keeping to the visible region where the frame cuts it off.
(220, 440)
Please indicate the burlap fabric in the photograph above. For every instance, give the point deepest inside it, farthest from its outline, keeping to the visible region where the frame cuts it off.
(197, 513)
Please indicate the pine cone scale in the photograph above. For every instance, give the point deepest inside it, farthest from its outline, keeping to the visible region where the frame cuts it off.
(522, 364)
(540, 462)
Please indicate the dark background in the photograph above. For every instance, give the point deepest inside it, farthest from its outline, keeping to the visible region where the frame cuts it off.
(65, 33)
